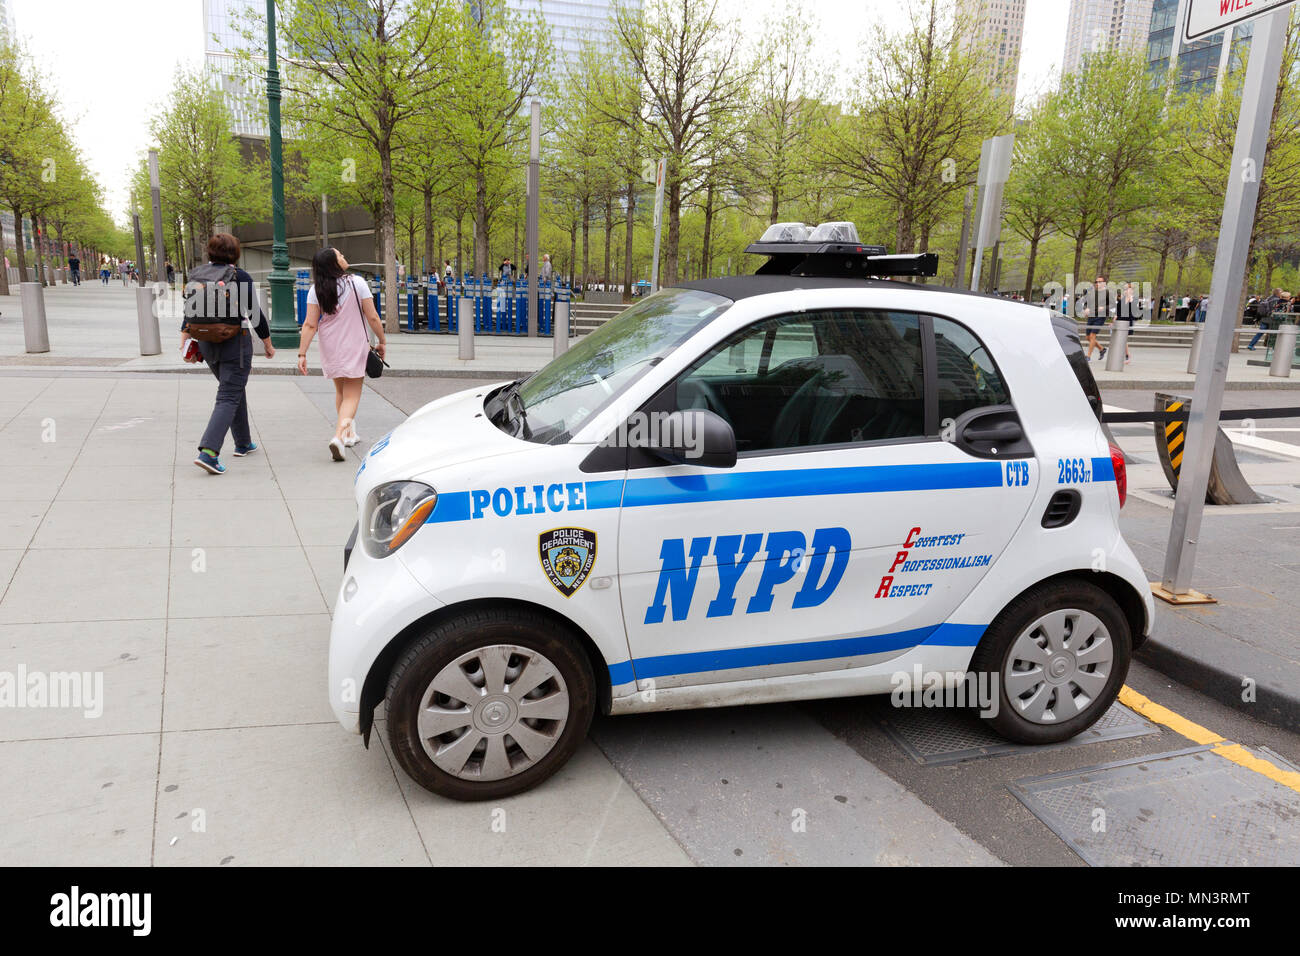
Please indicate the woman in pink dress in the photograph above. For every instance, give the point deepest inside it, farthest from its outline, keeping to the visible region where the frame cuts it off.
(341, 307)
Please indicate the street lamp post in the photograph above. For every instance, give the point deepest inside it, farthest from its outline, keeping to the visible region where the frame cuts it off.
(284, 325)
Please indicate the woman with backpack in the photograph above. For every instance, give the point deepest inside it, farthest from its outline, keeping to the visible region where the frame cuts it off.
(341, 308)
(220, 300)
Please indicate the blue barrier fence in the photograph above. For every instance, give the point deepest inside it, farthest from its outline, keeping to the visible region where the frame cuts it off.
(500, 308)
(301, 285)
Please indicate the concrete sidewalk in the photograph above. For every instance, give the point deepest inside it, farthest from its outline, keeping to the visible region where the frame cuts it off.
(203, 605)
(94, 327)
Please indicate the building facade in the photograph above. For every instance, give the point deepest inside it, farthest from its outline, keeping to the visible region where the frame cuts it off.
(1097, 25)
(996, 30)
(223, 24)
(1198, 67)
(573, 23)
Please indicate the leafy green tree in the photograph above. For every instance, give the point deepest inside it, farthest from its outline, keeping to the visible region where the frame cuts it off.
(1030, 195)
(776, 160)
(501, 61)
(688, 59)
(203, 177)
(369, 66)
(917, 115)
(1109, 133)
(30, 143)
(1206, 139)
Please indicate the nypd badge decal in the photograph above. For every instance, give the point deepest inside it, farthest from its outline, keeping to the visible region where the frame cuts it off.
(567, 555)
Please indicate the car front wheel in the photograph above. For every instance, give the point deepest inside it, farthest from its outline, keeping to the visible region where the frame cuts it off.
(1057, 657)
(489, 704)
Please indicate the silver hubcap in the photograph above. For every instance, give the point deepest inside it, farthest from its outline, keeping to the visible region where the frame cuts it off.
(493, 713)
(1058, 666)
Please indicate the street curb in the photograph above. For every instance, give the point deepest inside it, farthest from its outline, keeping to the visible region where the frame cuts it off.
(1281, 708)
(1186, 386)
(388, 372)
(467, 373)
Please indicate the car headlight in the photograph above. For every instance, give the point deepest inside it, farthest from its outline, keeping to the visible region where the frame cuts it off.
(394, 512)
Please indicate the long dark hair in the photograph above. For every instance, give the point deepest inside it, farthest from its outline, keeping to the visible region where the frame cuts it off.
(325, 276)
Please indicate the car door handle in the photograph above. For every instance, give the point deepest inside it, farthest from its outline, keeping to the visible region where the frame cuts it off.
(1001, 432)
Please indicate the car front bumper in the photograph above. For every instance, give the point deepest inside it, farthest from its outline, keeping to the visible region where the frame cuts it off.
(377, 600)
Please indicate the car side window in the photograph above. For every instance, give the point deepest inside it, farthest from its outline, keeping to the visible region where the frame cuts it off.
(820, 378)
(967, 375)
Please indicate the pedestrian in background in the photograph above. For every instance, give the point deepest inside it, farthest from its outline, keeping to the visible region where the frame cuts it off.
(74, 267)
(232, 360)
(1086, 308)
(1103, 306)
(340, 307)
(1264, 310)
(104, 271)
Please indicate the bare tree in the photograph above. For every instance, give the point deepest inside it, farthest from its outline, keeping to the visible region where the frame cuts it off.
(688, 59)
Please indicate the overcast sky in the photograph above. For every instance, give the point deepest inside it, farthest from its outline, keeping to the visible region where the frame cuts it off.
(113, 62)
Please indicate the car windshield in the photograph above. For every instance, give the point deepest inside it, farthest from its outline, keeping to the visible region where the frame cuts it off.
(557, 399)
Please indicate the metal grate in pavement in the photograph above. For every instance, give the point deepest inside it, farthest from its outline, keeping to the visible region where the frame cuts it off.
(932, 736)
(1185, 808)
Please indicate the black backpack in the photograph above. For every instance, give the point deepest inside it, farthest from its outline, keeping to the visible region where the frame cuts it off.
(212, 307)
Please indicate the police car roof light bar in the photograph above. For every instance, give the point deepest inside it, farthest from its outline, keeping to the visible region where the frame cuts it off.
(840, 260)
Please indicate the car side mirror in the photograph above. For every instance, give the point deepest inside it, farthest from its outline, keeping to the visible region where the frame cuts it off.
(696, 436)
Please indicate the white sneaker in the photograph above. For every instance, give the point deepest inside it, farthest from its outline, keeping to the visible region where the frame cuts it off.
(351, 438)
(336, 449)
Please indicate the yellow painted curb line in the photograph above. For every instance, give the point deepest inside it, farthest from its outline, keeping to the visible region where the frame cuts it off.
(1244, 758)
(1235, 753)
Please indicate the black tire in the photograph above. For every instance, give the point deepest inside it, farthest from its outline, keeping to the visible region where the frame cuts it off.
(991, 656)
(440, 646)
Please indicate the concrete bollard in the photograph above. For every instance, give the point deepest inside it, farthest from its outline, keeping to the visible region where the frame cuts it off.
(560, 328)
(146, 296)
(1118, 346)
(465, 326)
(1283, 351)
(1195, 355)
(36, 334)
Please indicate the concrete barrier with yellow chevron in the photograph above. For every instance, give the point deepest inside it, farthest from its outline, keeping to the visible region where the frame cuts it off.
(1227, 485)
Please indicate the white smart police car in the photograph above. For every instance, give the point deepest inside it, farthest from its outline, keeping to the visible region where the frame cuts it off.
(798, 484)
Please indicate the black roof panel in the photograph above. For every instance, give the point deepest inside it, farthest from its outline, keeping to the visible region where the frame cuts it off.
(748, 286)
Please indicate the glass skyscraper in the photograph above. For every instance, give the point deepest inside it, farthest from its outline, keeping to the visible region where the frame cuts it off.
(999, 27)
(1200, 66)
(223, 21)
(572, 23)
(1097, 25)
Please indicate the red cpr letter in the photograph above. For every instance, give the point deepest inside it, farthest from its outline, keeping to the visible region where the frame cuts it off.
(911, 535)
(885, 583)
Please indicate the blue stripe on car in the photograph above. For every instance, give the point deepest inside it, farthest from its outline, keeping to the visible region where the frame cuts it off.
(676, 665)
(791, 483)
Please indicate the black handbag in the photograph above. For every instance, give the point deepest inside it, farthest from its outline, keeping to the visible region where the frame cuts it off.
(374, 364)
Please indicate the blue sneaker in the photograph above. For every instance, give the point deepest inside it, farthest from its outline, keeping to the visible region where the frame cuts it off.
(210, 463)
(241, 451)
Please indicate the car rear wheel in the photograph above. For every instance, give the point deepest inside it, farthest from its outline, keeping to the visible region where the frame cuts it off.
(1057, 657)
(489, 704)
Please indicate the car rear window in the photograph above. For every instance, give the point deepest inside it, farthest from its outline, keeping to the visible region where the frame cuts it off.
(1067, 335)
